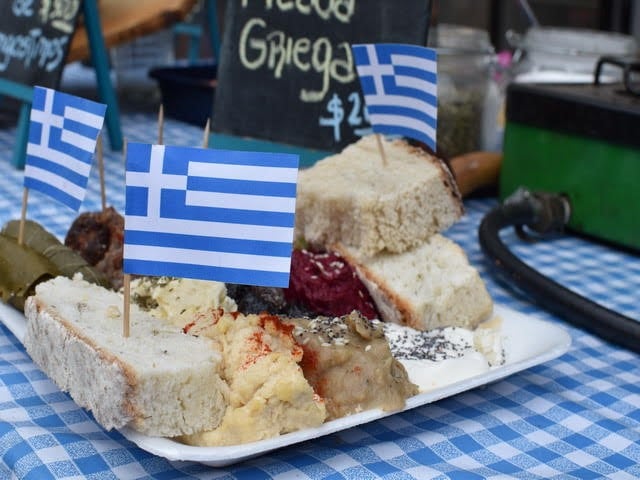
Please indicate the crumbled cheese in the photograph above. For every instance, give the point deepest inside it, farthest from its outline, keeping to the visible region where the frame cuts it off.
(180, 299)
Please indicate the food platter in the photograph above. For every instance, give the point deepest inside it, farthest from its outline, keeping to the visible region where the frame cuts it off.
(527, 341)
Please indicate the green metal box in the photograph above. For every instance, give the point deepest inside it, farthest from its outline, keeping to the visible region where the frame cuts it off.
(582, 141)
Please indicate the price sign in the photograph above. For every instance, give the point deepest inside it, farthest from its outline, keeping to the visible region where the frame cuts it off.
(34, 39)
(286, 71)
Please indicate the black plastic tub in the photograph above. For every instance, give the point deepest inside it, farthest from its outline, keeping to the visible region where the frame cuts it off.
(187, 92)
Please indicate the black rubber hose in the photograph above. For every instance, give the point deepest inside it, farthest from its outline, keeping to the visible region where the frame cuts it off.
(540, 212)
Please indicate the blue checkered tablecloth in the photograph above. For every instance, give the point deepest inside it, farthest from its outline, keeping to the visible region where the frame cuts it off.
(574, 417)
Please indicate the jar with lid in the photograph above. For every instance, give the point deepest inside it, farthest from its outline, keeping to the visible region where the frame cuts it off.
(468, 98)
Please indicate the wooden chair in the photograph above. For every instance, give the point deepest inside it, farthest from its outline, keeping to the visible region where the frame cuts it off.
(104, 24)
(108, 23)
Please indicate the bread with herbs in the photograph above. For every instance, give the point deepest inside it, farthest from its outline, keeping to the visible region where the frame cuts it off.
(158, 380)
(430, 286)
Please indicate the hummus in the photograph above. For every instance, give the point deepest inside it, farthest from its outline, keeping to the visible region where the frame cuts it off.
(269, 394)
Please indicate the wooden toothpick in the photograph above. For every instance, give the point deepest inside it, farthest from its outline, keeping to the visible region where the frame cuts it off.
(381, 149)
(23, 215)
(207, 131)
(127, 305)
(160, 124)
(99, 154)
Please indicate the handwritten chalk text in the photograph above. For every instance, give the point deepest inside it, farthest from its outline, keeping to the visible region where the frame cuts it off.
(261, 47)
(32, 49)
(341, 10)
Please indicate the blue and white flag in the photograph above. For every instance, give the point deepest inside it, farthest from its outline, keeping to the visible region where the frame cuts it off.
(209, 214)
(399, 83)
(62, 139)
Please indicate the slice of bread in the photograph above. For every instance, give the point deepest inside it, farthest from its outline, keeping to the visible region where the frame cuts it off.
(430, 286)
(159, 380)
(355, 199)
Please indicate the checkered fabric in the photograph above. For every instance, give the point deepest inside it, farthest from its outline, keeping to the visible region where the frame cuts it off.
(574, 417)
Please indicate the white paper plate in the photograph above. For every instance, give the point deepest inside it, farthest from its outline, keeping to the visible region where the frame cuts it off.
(527, 341)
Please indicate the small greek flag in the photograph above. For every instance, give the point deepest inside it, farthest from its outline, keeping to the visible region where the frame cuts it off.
(219, 215)
(399, 83)
(62, 139)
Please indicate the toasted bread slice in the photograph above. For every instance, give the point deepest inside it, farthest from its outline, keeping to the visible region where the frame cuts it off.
(360, 200)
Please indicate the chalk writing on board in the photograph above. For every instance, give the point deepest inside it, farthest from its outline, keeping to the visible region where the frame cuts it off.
(274, 49)
(34, 37)
(60, 13)
(286, 71)
(353, 111)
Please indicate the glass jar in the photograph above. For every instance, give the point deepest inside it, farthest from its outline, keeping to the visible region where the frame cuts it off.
(468, 98)
(567, 55)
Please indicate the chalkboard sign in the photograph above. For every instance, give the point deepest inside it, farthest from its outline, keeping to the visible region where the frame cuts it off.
(34, 39)
(286, 70)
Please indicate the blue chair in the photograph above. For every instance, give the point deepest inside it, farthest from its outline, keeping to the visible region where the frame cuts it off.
(100, 61)
(122, 21)
(194, 33)
(24, 94)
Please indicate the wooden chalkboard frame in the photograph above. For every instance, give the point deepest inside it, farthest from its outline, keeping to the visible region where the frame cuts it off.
(305, 96)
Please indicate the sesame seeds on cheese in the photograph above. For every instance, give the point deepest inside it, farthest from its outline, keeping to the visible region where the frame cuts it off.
(433, 345)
